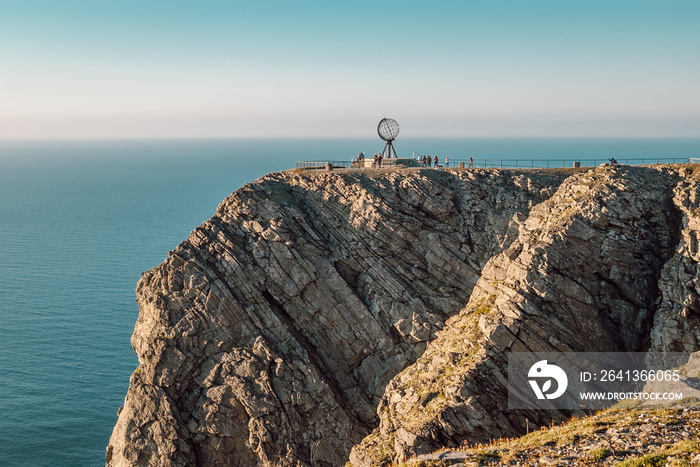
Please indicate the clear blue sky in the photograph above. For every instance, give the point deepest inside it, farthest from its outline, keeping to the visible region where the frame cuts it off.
(108, 68)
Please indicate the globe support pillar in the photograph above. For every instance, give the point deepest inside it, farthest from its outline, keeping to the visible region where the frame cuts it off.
(388, 148)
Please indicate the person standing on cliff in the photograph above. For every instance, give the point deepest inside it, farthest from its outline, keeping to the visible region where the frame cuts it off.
(435, 161)
(379, 160)
(429, 161)
(471, 162)
(447, 161)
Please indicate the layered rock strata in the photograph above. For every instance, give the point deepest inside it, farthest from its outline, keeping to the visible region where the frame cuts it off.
(677, 323)
(582, 275)
(268, 337)
(319, 313)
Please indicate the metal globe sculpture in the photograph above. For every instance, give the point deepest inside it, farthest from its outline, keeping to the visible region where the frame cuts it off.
(388, 130)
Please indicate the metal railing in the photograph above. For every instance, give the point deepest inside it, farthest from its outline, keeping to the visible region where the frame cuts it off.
(520, 163)
(561, 163)
(321, 164)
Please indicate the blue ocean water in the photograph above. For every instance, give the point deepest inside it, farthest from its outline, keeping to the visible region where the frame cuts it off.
(80, 221)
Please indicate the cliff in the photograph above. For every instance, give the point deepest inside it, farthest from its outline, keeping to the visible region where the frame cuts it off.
(322, 316)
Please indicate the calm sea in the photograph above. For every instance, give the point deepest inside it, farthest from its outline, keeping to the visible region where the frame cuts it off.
(80, 221)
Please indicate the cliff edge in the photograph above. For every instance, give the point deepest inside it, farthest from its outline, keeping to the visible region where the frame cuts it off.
(319, 313)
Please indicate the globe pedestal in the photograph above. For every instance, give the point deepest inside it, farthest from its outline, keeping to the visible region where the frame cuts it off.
(395, 163)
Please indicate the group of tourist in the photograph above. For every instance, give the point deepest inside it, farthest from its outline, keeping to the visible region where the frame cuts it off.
(428, 161)
(377, 162)
(358, 161)
(432, 161)
(425, 161)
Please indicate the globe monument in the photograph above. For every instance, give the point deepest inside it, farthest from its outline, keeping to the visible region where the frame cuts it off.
(388, 130)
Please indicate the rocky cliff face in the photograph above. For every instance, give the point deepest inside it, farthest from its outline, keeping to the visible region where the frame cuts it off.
(582, 276)
(269, 335)
(677, 323)
(319, 313)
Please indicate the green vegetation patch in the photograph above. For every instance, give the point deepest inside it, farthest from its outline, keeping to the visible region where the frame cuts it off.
(684, 447)
(597, 454)
(650, 460)
(574, 435)
(484, 306)
(380, 449)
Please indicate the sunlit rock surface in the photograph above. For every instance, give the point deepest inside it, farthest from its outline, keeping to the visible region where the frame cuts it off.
(365, 315)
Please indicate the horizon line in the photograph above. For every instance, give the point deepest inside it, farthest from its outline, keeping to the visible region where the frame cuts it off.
(335, 137)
